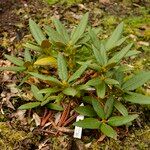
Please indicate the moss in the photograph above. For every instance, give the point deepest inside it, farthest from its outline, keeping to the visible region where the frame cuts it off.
(10, 137)
(60, 142)
(139, 139)
(68, 2)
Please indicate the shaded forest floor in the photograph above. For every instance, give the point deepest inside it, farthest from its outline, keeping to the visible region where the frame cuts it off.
(16, 126)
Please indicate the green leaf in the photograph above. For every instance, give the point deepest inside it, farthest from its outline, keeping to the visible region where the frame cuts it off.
(13, 68)
(88, 123)
(62, 67)
(95, 40)
(111, 81)
(121, 108)
(103, 54)
(121, 120)
(46, 61)
(98, 108)
(30, 105)
(108, 108)
(117, 57)
(59, 98)
(27, 55)
(48, 99)
(136, 81)
(80, 29)
(98, 56)
(55, 106)
(113, 39)
(35, 91)
(23, 80)
(78, 73)
(53, 35)
(94, 82)
(132, 53)
(45, 77)
(137, 98)
(86, 111)
(119, 42)
(14, 60)
(49, 90)
(70, 91)
(101, 89)
(88, 99)
(61, 29)
(108, 131)
(36, 32)
(33, 47)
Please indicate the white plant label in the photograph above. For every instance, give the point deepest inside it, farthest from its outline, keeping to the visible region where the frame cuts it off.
(78, 130)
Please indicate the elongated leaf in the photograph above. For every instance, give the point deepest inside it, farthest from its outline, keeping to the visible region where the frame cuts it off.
(33, 47)
(117, 57)
(121, 120)
(86, 111)
(27, 55)
(53, 35)
(62, 67)
(45, 77)
(13, 68)
(103, 54)
(88, 99)
(46, 61)
(15, 60)
(55, 106)
(49, 90)
(136, 81)
(108, 131)
(111, 81)
(108, 109)
(101, 89)
(132, 53)
(80, 29)
(88, 123)
(23, 80)
(94, 82)
(119, 42)
(36, 32)
(59, 98)
(70, 91)
(137, 98)
(78, 73)
(95, 67)
(48, 99)
(121, 108)
(35, 91)
(113, 39)
(98, 56)
(82, 87)
(61, 29)
(98, 108)
(30, 105)
(94, 38)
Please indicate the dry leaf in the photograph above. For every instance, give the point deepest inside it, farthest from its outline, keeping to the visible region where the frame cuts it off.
(37, 119)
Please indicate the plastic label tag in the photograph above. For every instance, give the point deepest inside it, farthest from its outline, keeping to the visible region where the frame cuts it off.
(78, 130)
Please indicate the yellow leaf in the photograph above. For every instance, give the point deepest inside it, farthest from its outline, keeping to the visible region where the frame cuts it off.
(46, 61)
